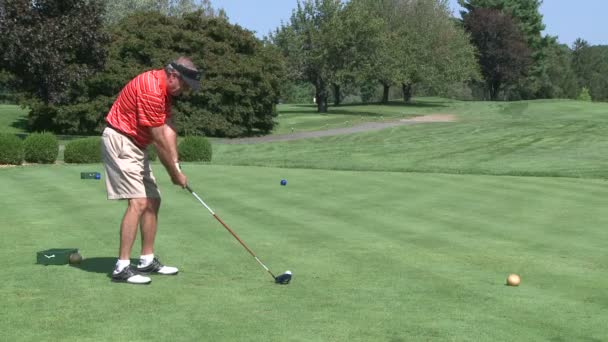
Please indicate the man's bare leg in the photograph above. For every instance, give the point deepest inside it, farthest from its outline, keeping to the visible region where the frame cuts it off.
(128, 232)
(148, 263)
(128, 227)
(149, 224)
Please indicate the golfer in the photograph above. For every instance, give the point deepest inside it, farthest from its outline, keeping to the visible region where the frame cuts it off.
(140, 116)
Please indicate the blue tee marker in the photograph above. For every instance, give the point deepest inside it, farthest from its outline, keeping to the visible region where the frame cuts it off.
(283, 182)
(90, 175)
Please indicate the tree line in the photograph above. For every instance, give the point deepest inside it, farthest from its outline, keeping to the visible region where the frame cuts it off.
(67, 60)
(496, 51)
(518, 62)
(334, 45)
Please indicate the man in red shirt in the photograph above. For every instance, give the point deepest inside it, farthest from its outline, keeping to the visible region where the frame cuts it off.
(140, 116)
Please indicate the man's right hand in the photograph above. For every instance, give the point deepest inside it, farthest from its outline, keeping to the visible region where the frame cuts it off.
(179, 179)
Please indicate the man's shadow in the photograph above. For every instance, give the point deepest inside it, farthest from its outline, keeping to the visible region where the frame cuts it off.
(100, 265)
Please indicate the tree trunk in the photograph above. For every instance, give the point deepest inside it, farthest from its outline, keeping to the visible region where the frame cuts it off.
(494, 87)
(321, 96)
(337, 99)
(407, 92)
(385, 92)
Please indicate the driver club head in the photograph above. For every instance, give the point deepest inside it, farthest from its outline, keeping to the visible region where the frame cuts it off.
(284, 278)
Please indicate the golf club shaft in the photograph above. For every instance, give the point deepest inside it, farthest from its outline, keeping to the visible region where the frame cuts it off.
(229, 230)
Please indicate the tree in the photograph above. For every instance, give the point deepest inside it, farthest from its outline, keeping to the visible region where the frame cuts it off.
(590, 63)
(504, 56)
(50, 45)
(385, 60)
(239, 89)
(118, 9)
(420, 43)
(329, 44)
(599, 81)
(355, 34)
(306, 41)
(581, 61)
(561, 79)
(438, 52)
(530, 23)
(584, 95)
(527, 13)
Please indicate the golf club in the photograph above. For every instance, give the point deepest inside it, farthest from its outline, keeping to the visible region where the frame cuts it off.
(284, 278)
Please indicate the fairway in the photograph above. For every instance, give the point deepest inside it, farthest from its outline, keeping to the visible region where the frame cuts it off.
(532, 138)
(376, 256)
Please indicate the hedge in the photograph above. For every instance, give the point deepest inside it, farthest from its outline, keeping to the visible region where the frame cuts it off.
(194, 148)
(85, 151)
(11, 149)
(41, 148)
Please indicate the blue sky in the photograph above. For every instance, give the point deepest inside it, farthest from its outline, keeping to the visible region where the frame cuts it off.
(566, 19)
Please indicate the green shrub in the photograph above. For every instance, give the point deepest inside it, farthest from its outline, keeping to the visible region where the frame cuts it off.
(84, 151)
(194, 148)
(584, 95)
(41, 148)
(11, 149)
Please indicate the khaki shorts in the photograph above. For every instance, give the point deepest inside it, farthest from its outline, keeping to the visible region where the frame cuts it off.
(128, 172)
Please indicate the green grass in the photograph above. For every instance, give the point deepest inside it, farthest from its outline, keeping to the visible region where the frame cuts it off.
(13, 119)
(376, 256)
(295, 118)
(538, 138)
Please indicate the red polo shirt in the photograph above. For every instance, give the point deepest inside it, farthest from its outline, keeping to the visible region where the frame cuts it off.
(141, 104)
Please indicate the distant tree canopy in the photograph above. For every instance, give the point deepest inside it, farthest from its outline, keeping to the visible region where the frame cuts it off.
(504, 56)
(424, 45)
(307, 43)
(392, 42)
(529, 20)
(590, 64)
(562, 81)
(115, 10)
